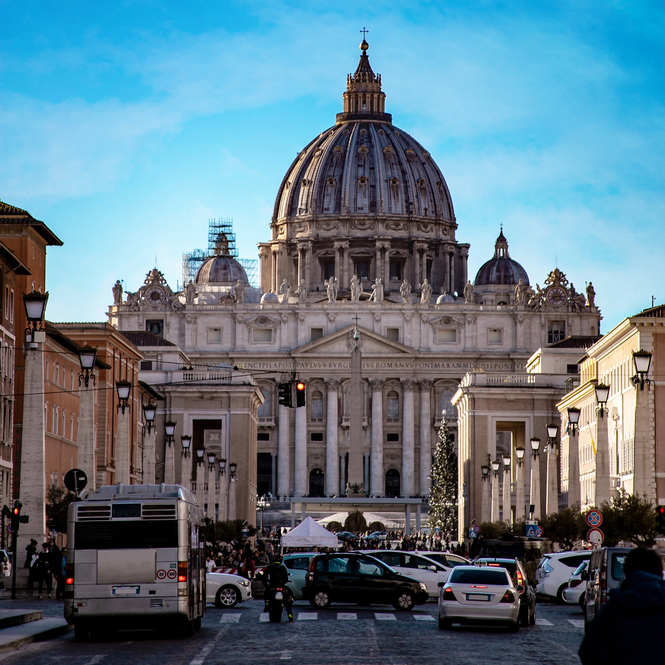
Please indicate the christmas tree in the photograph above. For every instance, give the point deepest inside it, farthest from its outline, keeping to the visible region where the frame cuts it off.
(443, 493)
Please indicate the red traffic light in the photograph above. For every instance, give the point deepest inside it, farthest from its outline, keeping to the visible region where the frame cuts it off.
(660, 510)
(17, 511)
(300, 386)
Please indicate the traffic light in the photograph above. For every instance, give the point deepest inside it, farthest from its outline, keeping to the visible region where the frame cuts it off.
(660, 518)
(300, 393)
(285, 392)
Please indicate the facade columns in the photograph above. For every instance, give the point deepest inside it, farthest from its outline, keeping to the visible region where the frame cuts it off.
(169, 463)
(332, 443)
(552, 490)
(185, 468)
(603, 487)
(342, 474)
(122, 447)
(284, 452)
(534, 489)
(342, 263)
(273, 475)
(366, 469)
(494, 517)
(425, 436)
(451, 274)
(408, 435)
(507, 501)
(86, 434)
(519, 489)
(485, 506)
(376, 467)
(301, 488)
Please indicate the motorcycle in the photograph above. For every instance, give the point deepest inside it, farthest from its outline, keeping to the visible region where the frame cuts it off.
(276, 605)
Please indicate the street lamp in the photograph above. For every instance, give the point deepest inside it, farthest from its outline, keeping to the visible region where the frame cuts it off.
(642, 362)
(495, 467)
(200, 452)
(262, 503)
(169, 429)
(602, 395)
(232, 469)
(35, 305)
(149, 413)
(87, 357)
(573, 419)
(186, 441)
(535, 445)
(211, 461)
(222, 466)
(486, 471)
(519, 456)
(124, 389)
(506, 462)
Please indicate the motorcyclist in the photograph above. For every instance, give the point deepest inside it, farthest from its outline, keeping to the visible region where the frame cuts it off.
(275, 576)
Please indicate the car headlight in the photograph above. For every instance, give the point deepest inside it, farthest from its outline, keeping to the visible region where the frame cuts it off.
(423, 586)
(243, 582)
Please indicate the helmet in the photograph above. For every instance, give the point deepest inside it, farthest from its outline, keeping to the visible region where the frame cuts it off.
(278, 558)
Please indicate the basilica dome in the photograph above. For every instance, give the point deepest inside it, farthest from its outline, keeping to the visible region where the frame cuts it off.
(364, 165)
(501, 269)
(222, 268)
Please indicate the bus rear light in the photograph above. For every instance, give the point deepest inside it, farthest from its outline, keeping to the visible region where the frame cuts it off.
(69, 580)
(182, 571)
(69, 573)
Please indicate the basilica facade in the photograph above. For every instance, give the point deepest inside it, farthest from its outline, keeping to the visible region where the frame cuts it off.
(363, 234)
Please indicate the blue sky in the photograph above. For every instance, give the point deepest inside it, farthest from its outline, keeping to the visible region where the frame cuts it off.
(126, 125)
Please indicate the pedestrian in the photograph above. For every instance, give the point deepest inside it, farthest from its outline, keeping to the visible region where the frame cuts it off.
(629, 628)
(55, 565)
(247, 567)
(44, 570)
(30, 551)
(60, 586)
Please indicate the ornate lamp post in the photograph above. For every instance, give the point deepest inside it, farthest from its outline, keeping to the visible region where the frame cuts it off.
(124, 390)
(485, 507)
(262, 504)
(534, 490)
(494, 517)
(86, 428)
(233, 481)
(552, 489)
(186, 441)
(32, 489)
(149, 414)
(642, 362)
(212, 477)
(574, 486)
(603, 485)
(519, 484)
(507, 500)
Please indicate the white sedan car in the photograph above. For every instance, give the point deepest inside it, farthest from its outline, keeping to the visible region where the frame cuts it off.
(475, 594)
(574, 593)
(226, 590)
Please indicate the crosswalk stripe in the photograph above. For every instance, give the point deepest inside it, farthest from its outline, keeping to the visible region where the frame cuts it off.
(264, 616)
(385, 617)
(543, 622)
(308, 616)
(230, 618)
(578, 623)
(423, 617)
(346, 616)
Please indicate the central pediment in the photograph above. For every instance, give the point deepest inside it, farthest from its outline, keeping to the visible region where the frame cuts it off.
(341, 342)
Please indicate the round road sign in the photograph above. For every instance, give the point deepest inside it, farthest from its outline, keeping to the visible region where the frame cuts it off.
(75, 480)
(594, 518)
(161, 574)
(595, 536)
(171, 574)
(539, 531)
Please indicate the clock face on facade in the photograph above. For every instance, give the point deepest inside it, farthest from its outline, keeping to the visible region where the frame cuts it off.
(556, 296)
(155, 295)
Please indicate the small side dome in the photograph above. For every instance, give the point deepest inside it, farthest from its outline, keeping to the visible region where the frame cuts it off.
(445, 298)
(221, 270)
(501, 269)
(269, 297)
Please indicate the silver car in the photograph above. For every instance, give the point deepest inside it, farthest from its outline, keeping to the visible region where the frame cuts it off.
(476, 594)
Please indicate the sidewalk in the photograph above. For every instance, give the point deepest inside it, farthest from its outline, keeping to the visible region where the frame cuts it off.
(23, 621)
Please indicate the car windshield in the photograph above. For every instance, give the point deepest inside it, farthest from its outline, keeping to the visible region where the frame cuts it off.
(510, 566)
(479, 576)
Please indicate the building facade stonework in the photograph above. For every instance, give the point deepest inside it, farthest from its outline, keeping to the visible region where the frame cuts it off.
(363, 233)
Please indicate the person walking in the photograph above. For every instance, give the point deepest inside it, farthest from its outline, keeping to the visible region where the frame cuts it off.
(44, 570)
(629, 628)
(247, 566)
(60, 586)
(55, 566)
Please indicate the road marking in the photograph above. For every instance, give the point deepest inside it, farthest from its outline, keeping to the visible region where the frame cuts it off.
(95, 659)
(230, 618)
(578, 623)
(285, 655)
(198, 660)
(347, 616)
(264, 616)
(543, 622)
(308, 616)
(385, 617)
(423, 617)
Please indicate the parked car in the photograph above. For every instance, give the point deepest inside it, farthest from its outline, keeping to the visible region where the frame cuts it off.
(421, 568)
(575, 592)
(445, 558)
(354, 577)
(377, 535)
(5, 564)
(298, 565)
(517, 572)
(479, 594)
(554, 570)
(345, 534)
(226, 590)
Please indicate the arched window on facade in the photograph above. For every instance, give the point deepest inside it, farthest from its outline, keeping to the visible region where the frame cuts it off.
(392, 405)
(392, 483)
(317, 405)
(265, 410)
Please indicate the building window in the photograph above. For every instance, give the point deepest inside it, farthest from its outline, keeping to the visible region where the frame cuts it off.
(317, 405)
(316, 436)
(572, 369)
(155, 326)
(392, 402)
(214, 335)
(11, 306)
(263, 436)
(362, 269)
(446, 335)
(392, 437)
(315, 333)
(396, 270)
(262, 334)
(265, 410)
(494, 336)
(446, 404)
(392, 334)
(328, 266)
(6, 302)
(556, 331)
(145, 366)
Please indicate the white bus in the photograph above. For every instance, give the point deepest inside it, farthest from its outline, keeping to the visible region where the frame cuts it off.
(136, 558)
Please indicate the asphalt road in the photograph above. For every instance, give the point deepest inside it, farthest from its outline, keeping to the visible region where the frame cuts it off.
(340, 635)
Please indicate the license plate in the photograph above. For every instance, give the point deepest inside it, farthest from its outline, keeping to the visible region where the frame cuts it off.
(125, 591)
(279, 595)
(483, 597)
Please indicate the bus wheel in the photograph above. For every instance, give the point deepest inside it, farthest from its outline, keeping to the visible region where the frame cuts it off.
(81, 632)
(187, 630)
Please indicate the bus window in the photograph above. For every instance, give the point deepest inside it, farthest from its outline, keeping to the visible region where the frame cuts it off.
(118, 535)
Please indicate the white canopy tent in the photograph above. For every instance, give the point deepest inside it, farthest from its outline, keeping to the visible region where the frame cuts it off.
(388, 522)
(310, 534)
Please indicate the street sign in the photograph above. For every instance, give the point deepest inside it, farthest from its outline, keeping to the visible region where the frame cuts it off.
(534, 531)
(474, 531)
(594, 518)
(75, 480)
(595, 536)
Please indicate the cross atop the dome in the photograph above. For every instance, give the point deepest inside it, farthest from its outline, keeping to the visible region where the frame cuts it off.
(364, 31)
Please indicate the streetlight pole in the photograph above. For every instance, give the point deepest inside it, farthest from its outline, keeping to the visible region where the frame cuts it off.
(519, 484)
(534, 489)
(32, 488)
(212, 468)
(223, 499)
(186, 442)
(494, 517)
(232, 490)
(169, 453)
(86, 430)
(124, 389)
(485, 507)
(507, 501)
(552, 488)
(603, 488)
(149, 413)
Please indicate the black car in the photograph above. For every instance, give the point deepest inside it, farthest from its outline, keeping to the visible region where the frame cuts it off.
(516, 570)
(358, 578)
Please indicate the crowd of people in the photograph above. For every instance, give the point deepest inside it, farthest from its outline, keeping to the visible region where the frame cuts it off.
(46, 568)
